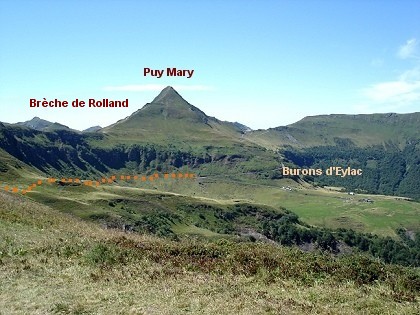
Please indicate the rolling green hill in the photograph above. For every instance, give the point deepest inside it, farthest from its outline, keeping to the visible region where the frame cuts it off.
(337, 130)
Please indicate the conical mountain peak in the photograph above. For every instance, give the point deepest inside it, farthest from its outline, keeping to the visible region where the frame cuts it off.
(170, 119)
(168, 96)
(170, 105)
(166, 110)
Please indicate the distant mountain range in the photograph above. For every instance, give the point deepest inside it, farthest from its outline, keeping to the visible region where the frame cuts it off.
(45, 125)
(42, 125)
(170, 132)
(170, 117)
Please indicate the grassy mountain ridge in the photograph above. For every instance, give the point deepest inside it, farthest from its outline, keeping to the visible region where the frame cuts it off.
(358, 130)
(66, 153)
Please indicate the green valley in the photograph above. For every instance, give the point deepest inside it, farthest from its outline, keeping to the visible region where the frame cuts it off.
(239, 218)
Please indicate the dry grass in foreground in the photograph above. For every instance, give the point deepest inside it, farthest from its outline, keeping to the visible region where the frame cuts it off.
(52, 263)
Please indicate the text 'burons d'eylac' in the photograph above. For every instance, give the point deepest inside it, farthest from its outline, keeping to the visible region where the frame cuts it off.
(331, 171)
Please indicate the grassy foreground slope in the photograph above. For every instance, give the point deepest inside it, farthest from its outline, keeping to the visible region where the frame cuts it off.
(53, 263)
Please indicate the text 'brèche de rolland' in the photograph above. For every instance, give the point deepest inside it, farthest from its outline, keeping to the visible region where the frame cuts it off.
(92, 103)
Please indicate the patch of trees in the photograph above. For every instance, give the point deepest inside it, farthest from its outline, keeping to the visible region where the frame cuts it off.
(386, 170)
(286, 228)
(286, 231)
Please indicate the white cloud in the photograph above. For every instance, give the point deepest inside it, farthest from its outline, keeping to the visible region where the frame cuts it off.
(401, 93)
(156, 87)
(394, 95)
(394, 91)
(411, 75)
(409, 49)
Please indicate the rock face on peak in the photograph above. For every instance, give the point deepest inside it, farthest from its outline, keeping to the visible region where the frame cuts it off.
(242, 127)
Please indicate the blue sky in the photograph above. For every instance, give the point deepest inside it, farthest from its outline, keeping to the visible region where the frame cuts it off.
(262, 63)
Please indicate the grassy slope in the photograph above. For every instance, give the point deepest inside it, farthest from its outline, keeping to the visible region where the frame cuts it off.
(118, 206)
(13, 171)
(52, 263)
(319, 207)
(363, 130)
